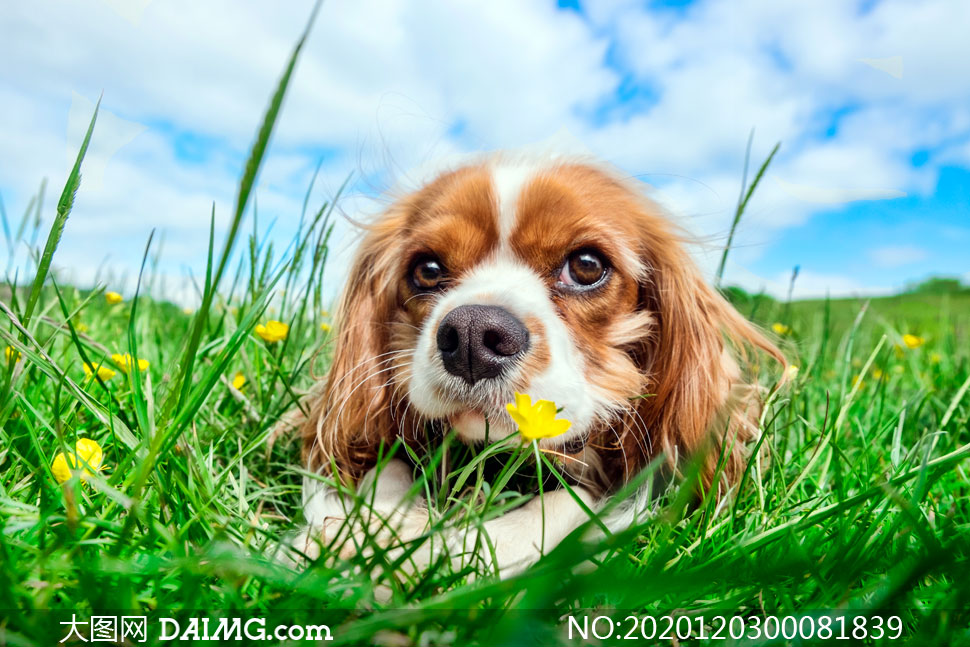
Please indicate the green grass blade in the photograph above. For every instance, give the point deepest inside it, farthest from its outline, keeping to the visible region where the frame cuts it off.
(246, 184)
(64, 206)
(743, 204)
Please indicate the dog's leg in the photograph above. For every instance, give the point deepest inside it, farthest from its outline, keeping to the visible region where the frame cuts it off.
(382, 508)
(504, 545)
(514, 541)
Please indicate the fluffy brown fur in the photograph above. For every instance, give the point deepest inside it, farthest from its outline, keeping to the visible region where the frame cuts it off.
(671, 354)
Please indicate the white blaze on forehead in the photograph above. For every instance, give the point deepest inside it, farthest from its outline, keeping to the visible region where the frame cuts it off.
(509, 180)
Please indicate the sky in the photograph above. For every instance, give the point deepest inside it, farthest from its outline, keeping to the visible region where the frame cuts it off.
(870, 100)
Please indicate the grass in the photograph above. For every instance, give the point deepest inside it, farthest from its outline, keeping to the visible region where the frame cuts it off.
(862, 508)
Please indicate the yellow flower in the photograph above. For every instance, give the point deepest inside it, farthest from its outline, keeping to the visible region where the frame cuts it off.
(935, 358)
(877, 374)
(273, 331)
(104, 372)
(780, 328)
(113, 297)
(126, 361)
(912, 341)
(791, 372)
(325, 327)
(87, 456)
(81, 326)
(858, 381)
(324, 313)
(538, 420)
(238, 381)
(9, 353)
(187, 310)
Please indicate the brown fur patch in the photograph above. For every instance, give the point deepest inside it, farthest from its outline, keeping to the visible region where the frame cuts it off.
(379, 315)
(538, 357)
(658, 342)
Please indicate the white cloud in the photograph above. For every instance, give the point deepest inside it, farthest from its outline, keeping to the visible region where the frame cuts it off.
(808, 285)
(834, 195)
(891, 65)
(897, 255)
(130, 10)
(390, 88)
(113, 133)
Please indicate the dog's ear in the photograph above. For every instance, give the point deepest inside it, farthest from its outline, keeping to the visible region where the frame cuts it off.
(699, 360)
(352, 414)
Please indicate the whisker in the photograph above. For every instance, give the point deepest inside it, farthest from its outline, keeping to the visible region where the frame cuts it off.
(565, 456)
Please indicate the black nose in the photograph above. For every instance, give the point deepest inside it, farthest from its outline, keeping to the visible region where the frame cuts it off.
(478, 342)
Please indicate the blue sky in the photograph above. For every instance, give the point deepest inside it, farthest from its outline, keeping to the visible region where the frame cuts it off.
(884, 242)
(870, 100)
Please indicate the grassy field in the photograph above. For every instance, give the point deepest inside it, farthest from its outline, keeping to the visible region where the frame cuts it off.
(862, 509)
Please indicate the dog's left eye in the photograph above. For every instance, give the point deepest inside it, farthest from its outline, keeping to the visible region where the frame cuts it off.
(583, 269)
(427, 274)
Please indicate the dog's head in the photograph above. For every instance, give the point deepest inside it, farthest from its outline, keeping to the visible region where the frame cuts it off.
(560, 281)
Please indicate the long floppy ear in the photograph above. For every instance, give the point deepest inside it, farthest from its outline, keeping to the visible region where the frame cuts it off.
(699, 360)
(352, 414)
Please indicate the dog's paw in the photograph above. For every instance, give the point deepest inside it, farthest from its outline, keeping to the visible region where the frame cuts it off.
(365, 535)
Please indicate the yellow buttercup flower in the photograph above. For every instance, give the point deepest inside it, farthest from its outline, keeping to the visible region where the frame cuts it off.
(325, 327)
(858, 381)
(238, 381)
(791, 372)
(81, 326)
(912, 341)
(87, 456)
(780, 328)
(113, 297)
(104, 372)
(9, 353)
(877, 373)
(273, 331)
(536, 420)
(126, 361)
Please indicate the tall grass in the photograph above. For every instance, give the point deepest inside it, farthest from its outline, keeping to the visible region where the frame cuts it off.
(862, 507)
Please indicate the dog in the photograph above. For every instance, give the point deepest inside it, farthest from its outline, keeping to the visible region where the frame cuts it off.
(556, 278)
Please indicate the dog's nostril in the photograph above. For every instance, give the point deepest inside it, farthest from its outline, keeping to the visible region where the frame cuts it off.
(501, 342)
(492, 341)
(448, 339)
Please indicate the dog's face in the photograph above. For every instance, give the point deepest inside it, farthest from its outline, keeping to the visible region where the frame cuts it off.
(559, 281)
(516, 279)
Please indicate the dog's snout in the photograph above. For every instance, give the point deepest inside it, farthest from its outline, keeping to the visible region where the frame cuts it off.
(479, 341)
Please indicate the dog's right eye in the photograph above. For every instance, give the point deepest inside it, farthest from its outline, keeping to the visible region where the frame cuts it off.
(427, 274)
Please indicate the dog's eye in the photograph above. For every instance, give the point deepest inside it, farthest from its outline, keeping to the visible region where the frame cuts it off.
(583, 269)
(427, 274)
